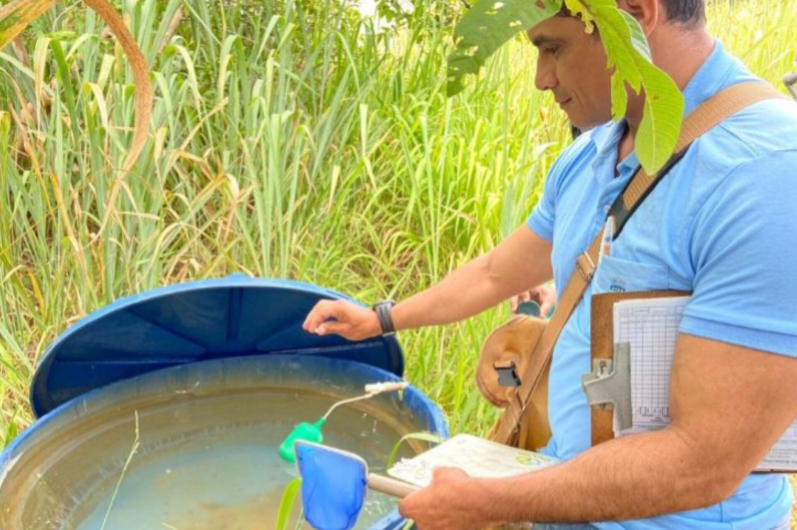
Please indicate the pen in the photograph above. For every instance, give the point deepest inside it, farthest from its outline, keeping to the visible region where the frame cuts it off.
(606, 240)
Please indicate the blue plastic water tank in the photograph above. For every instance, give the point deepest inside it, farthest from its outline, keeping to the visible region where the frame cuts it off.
(190, 340)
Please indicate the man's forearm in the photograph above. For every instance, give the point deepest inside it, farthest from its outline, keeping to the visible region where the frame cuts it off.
(466, 292)
(629, 478)
(463, 293)
(522, 261)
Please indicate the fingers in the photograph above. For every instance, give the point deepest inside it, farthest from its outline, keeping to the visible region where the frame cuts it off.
(547, 300)
(544, 295)
(447, 473)
(335, 328)
(409, 506)
(321, 313)
(515, 301)
(344, 318)
(536, 295)
(406, 506)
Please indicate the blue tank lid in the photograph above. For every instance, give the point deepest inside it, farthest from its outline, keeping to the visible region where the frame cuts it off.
(196, 321)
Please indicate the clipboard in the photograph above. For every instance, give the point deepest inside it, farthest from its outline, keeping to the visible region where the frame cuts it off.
(602, 353)
(609, 390)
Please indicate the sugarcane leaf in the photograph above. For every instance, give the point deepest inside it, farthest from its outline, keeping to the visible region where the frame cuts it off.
(138, 63)
(19, 14)
(423, 436)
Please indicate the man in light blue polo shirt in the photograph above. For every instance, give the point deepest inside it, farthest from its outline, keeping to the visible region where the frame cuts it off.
(722, 224)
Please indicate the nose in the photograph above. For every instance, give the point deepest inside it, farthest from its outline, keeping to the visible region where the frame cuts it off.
(545, 76)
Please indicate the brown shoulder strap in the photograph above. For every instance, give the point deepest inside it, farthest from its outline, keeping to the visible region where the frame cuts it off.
(702, 119)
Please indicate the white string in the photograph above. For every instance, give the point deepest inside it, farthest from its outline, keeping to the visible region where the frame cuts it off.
(350, 400)
(373, 390)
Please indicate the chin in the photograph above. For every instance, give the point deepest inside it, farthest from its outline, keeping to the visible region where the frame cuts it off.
(587, 124)
(588, 118)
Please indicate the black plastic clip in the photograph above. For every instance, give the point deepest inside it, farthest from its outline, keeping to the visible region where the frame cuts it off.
(507, 374)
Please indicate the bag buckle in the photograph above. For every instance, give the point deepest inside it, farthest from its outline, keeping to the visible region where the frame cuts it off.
(507, 374)
(585, 266)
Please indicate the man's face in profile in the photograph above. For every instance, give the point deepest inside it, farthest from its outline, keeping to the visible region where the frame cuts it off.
(572, 65)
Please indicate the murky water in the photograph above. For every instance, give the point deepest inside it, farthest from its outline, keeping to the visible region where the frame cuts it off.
(201, 462)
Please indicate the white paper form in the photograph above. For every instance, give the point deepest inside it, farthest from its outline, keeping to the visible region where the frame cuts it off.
(650, 327)
(475, 456)
(783, 455)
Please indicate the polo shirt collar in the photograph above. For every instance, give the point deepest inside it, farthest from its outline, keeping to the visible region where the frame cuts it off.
(713, 75)
(605, 139)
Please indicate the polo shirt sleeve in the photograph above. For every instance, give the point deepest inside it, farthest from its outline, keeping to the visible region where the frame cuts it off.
(744, 252)
(542, 218)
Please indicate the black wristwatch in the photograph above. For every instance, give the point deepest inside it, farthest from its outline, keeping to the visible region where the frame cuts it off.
(382, 310)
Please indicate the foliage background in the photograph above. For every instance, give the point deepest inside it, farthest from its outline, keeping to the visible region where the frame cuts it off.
(291, 139)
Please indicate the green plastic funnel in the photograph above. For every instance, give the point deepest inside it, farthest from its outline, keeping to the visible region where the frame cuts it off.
(309, 432)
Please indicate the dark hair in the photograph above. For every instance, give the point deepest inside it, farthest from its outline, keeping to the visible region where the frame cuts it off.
(690, 12)
(687, 12)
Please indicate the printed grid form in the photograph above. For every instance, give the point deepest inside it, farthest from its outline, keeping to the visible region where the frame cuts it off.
(784, 454)
(650, 327)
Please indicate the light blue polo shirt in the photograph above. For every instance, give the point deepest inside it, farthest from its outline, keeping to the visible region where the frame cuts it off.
(722, 223)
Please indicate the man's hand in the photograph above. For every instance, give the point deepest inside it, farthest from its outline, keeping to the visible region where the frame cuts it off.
(450, 502)
(343, 318)
(544, 296)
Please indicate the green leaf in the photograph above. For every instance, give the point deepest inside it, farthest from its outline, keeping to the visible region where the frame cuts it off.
(638, 40)
(286, 503)
(628, 52)
(580, 10)
(488, 25)
(661, 121)
(423, 436)
(619, 97)
(11, 432)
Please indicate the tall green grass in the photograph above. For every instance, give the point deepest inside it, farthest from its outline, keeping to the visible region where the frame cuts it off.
(318, 152)
(288, 141)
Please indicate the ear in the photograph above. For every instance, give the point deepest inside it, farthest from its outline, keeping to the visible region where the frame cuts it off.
(649, 13)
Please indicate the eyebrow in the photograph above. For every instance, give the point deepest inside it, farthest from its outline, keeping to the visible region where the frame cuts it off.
(539, 40)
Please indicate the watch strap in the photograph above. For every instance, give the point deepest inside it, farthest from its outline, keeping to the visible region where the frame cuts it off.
(382, 310)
